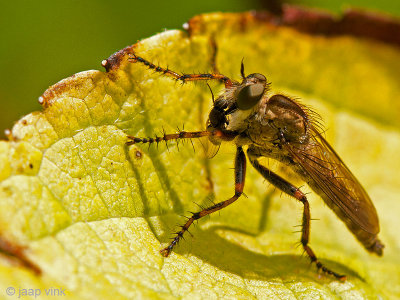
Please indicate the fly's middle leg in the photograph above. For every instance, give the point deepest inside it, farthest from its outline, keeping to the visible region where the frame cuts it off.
(240, 172)
(293, 191)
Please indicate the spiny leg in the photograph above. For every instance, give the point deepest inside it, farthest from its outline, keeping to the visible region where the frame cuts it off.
(224, 135)
(293, 191)
(181, 77)
(240, 172)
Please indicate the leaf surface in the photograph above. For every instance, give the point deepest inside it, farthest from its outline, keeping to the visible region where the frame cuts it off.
(91, 212)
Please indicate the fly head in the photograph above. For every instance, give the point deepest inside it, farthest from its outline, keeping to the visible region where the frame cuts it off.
(250, 91)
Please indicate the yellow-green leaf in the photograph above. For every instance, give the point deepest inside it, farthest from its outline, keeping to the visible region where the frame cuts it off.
(93, 213)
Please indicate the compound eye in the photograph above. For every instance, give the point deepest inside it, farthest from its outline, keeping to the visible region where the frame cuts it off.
(260, 77)
(249, 95)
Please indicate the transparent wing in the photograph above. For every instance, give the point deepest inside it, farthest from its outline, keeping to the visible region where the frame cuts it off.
(209, 149)
(333, 179)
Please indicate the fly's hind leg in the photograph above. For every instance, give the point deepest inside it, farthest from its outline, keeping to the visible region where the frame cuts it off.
(293, 191)
(240, 172)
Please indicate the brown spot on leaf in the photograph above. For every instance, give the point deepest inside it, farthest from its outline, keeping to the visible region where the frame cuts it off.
(114, 61)
(15, 254)
(242, 22)
(195, 24)
(353, 22)
(138, 154)
(315, 22)
(59, 88)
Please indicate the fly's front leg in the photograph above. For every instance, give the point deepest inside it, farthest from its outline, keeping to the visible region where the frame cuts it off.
(181, 77)
(240, 172)
(293, 191)
(224, 135)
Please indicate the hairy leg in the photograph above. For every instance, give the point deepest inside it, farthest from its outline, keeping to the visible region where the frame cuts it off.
(293, 191)
(240, 172)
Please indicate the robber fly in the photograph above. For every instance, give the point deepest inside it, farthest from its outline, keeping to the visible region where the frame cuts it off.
(278, 127)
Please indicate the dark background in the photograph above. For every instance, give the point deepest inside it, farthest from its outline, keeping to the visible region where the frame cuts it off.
(45, 41)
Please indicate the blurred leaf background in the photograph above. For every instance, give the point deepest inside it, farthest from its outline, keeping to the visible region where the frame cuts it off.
(45, 41)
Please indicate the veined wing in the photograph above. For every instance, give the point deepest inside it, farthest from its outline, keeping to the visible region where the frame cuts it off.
(210, 149)
(331, 176)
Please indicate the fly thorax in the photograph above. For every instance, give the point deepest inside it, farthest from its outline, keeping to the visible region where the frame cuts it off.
(239, 120)
(286, 117)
